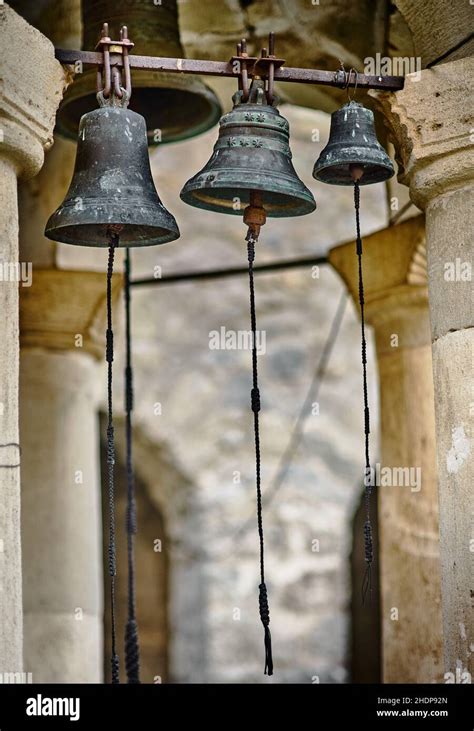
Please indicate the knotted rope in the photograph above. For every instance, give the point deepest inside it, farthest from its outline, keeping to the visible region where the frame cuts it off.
(109, 355)
(132, 648)
(255, 404)
(368, 539)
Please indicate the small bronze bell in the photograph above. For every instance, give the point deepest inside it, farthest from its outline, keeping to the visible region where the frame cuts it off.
(352, 141)
(175, 106)
(112, 187)
(252, 153)
(354, 156)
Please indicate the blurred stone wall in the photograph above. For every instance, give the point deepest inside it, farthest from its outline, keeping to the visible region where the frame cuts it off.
(192, 403)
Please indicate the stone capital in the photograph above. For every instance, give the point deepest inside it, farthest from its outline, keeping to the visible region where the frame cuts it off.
(65, 310)
(432, 126)
(395, 280)
(31, 86)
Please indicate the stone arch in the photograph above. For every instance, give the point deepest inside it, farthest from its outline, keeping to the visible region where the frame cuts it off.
(170, 592)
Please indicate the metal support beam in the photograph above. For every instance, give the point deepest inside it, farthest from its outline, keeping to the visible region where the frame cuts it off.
(228, 69)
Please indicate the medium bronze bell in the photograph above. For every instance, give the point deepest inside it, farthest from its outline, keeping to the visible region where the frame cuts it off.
(112, 187)
(252, 153)
(352, 141)
(175, 106)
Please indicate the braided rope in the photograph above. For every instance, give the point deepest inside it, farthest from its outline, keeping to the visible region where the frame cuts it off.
(255, 404)
(109, 355)
(132, 648)
(368, 538)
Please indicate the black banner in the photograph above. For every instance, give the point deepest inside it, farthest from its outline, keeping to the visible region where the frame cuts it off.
(148, 706)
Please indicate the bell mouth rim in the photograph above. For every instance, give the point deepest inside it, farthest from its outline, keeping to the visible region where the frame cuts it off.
(102, 243)
(95, 229)
(194, 196)
(380, 173)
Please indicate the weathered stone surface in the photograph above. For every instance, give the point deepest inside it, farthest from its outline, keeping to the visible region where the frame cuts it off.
(438, 27)
(61, 526)
(453, 359)
(65, 310)
(431, 127)
(400, 38)
(11, 634)
(396, 296)
(348, 32)
(40, 196)
(62, 317)
(433, 131)
(30, 90)
(203, 21)
(391, 257)
(450, 222)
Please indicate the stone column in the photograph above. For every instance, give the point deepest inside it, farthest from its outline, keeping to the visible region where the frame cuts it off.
(395, 280)
(434, 133)
(62, 317)
(31, 85)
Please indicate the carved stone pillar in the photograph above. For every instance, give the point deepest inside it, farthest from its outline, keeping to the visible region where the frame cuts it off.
(31, 85)
(62, 318)
(394, 262)
(432, 126)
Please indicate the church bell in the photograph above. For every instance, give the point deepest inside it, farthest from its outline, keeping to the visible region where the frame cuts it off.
(252, 153)
(112, 187)
(353, 142)
(175, 106)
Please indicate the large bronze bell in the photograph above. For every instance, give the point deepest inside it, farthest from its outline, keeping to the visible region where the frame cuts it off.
(112, 187)
(352, 141)
(175, 106)
(252, 153)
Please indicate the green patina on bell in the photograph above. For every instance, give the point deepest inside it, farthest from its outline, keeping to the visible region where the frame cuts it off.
(352, 141)
(112, 186)
(252, 153)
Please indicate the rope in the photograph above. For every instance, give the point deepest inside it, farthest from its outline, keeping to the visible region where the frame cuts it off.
(109, 355)
(255, 403)
(132, 648)
(368, 540)
(286, 459)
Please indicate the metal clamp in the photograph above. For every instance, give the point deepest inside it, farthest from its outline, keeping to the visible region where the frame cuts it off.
(262, 67)
(114, 56)
(266, 65)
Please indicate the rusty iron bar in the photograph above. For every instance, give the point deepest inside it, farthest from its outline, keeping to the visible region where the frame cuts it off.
(226, 69)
